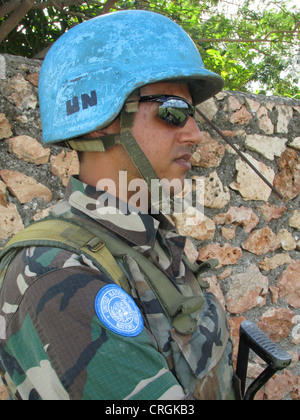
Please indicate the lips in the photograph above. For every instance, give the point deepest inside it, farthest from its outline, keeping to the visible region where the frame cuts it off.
(184, 161)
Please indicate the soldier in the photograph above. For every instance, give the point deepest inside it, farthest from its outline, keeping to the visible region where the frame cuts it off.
(121, 90)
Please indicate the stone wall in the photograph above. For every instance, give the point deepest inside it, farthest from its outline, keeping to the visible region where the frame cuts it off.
(254, 234)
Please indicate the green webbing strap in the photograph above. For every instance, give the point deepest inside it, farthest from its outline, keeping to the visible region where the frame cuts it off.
(131, 146)
(178, 308)
(138, 157)
(65, 235)
(95, 145)
(199, 269)
(99, 144)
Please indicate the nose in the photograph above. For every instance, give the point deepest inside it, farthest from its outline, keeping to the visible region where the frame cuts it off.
(190, 133)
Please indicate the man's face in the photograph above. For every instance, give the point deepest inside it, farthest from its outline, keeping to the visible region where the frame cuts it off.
(167, 147)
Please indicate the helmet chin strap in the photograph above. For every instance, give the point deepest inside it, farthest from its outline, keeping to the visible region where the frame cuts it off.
(129, 143)
(126, 139)
(138, 157)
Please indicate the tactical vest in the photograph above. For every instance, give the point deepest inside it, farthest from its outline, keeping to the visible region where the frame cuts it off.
(195, 326)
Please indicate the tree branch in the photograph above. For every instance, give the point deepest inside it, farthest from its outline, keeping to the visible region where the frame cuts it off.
(67, 3)
(15, 18)
(20, 9)
(9, 7)
(61, 3)
(108, 5)
(284, 32)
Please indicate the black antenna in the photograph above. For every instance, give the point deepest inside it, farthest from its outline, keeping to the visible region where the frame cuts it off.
(240, 154)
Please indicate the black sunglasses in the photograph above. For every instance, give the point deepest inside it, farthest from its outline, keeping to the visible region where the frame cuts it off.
(173, 109)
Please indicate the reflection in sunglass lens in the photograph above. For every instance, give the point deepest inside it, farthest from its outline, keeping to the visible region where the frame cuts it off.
(173, 110)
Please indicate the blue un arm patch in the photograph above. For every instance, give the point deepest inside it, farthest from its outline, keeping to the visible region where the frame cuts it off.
(118, 312)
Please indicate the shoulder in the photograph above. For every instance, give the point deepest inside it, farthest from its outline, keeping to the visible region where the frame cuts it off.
(36, 262)
(38, 272)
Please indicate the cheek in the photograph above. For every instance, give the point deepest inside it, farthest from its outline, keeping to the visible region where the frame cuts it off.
(156, 150)
(150, 134)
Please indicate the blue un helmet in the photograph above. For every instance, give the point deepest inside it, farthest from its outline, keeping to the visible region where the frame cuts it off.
(91, 70)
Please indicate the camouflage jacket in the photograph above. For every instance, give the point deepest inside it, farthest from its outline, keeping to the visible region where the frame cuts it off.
(54, 344)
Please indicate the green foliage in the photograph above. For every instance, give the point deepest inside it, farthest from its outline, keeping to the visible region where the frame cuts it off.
(255, 48)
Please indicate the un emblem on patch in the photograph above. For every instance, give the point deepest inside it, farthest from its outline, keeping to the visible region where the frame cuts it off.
(118, 311)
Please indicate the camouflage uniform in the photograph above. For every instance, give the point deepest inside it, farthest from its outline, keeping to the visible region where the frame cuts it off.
(53, 345)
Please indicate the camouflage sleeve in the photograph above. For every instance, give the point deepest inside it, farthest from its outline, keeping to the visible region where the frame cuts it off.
(56, 347)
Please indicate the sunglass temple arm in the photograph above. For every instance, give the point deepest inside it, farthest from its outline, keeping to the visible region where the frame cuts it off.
(240, 154)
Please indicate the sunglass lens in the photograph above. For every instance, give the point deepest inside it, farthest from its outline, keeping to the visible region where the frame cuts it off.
(174, 116)
(175, 111)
